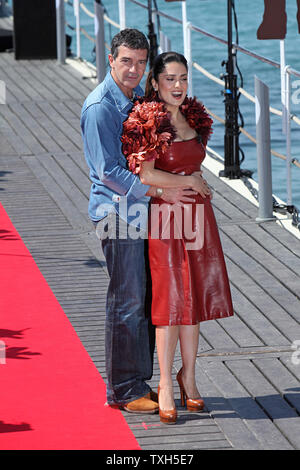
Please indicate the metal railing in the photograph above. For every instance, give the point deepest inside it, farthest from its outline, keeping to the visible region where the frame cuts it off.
(286, 71)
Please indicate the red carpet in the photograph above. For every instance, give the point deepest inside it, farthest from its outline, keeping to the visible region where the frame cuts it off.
(51, 394)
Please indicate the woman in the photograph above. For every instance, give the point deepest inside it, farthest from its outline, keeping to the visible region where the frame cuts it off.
(189, 277)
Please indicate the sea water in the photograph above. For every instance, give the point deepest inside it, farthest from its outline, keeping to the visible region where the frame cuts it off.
(211, 16)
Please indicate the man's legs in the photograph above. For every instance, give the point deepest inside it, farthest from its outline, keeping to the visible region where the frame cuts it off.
(127, 343)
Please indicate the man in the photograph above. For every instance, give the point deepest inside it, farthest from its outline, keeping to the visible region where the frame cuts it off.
(115, 193)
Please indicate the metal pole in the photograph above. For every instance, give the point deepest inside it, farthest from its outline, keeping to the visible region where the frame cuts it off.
(263, 148)
(282, 79)
(288, 137)
(77, 17)
(164, 42)
(122, 14)
(60, 31)
(189, 58)
(100, 40)
(184, 27)
(231, 138)
(151, 36)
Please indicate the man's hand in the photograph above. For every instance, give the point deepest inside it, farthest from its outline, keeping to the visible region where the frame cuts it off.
(205, 189)
(177, 195)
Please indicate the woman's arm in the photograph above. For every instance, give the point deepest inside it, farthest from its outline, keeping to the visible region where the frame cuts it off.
(159, 178)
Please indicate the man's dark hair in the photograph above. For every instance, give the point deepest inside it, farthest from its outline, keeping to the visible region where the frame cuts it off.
(131, 38)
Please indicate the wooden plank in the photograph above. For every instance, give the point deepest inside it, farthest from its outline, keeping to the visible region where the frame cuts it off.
(35, 83)
(79, 178)
(261, 277)
(21, 89)
(274, 247)
(233, 389)
(69, 80)
(8, 133)
(284, 237)
(67, 185)
(227, 208)
(239, 203)
(35, 122)
(234, 428)
(283, 380)
(71, 140)
(216, 336)
(264, 257)
(238, 329)
(64, 202)
(54, 139)
(283, 416)
(49, 89)
(268, 320)
(30, 142)
(12, 91)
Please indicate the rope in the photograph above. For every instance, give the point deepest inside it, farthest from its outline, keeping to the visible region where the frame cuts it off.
(85, 9)
(294, 161)
(204, 72)
(241, 90)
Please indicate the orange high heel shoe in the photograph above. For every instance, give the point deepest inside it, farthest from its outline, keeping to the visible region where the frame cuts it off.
(167, 416)
(192, 404)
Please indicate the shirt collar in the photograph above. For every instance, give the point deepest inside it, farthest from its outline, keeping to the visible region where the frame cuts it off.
(121, 100)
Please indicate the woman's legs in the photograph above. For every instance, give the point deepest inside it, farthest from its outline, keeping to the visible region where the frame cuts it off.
(166, 341)
(189, 340)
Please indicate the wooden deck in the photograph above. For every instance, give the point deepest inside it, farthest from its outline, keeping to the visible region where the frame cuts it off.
(245, 369)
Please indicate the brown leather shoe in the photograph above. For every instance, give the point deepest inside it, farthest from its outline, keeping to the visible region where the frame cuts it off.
(192, 404)
(142, 405)
(167, 416)
(153, 396)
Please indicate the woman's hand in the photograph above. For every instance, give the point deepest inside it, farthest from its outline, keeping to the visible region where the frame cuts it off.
(178, 195)
(200, 185)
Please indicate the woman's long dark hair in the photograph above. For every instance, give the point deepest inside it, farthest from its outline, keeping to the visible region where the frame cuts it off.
(159, 66)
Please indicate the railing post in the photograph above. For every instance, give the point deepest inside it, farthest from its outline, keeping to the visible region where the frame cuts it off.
(77, 17)
(287, 93)
(60, 31)
(100, 41)
(263, 148)
(184, 27)
(282, 80)
(122, 14)
(189, 58)
(164, 43)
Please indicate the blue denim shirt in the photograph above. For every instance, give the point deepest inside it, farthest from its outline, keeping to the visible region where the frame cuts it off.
(114, 187)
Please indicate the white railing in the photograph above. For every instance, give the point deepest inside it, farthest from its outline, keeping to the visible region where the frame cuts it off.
(187, 27)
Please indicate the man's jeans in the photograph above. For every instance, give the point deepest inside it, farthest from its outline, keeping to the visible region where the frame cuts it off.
(129, 335)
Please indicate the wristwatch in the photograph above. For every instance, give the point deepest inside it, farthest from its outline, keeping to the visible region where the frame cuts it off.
(159, 192)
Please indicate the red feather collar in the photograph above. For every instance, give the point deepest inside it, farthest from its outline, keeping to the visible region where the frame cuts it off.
(148, 132)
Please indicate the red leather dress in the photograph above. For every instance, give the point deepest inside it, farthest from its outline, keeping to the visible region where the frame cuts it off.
(189, 277)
